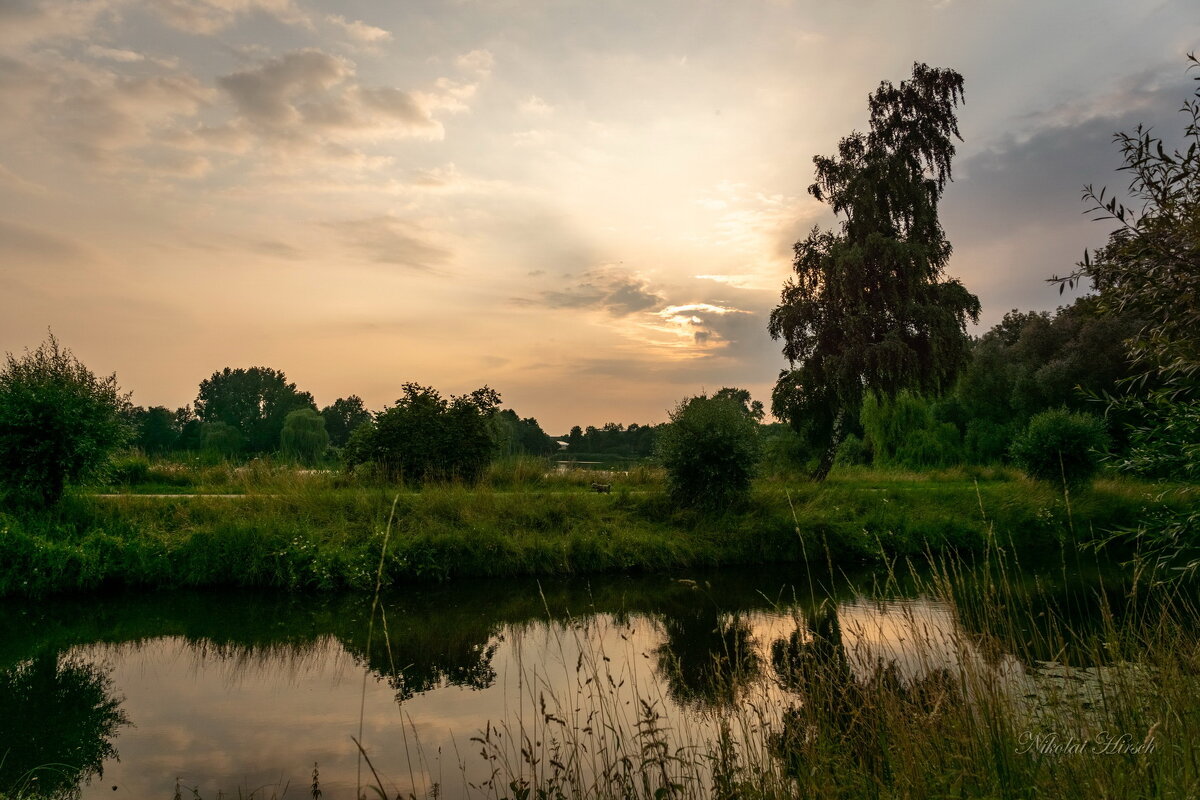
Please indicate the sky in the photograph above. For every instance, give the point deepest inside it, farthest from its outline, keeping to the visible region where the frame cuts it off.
(589, 206)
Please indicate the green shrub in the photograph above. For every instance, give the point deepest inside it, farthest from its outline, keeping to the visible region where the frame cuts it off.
(934, 446)
(852, 452)
(784, 450)
(131, 470)
(1061, 447)
(904, 432)
(220, 439)
(58, 423)
(425, 436)
(303, 437)
(987, 442)
(710, 450)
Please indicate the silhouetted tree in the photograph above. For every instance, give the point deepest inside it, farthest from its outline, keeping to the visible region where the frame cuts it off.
(255, 401)
(157, 430)
(426, 436)
(58, 423)
(514, 435)
(870, 308)
(753, 408)
(190, 429)
(342, 417)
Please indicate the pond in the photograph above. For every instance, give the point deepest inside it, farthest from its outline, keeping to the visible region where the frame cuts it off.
(121, 695)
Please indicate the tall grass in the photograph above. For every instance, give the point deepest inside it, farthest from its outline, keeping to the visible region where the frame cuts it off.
(1014, 701)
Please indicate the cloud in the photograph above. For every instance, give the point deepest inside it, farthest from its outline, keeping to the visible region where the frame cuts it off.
(1014, 212)
(309, 100)
(22, 244)
(114, 54)
(479, 62)
(269, 94)
(275, 249)
(102, 116)
(735, 281)
(206, 17)
(691, 325)
(536, 106)
(388, 240)
(25, 22)
(359, 31)
(12, 180)
(1132, 95)
(607, 289)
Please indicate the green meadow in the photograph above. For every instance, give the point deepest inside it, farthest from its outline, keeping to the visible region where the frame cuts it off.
(267, 525)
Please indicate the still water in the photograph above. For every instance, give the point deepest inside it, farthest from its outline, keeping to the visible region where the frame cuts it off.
(228, 691)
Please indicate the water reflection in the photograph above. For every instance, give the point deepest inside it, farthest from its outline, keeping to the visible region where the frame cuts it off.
(248, 689)
(708, 655)
(840, 683)
(58, 719)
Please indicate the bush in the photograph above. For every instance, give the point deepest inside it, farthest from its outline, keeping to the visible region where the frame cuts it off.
(58, 423)
(133, 470)
(988, 442)
(710, 450)
(220, 439)
(904, 432)
(425, 436)
(933, 447)
(852, 452)
(303, 437)
(1061, 447)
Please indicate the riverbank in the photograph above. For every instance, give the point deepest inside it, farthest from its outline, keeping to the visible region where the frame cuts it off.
(310, 532)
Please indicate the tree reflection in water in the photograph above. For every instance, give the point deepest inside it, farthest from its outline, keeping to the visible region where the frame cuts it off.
(58, 720)
(841, 716)
(708, 657)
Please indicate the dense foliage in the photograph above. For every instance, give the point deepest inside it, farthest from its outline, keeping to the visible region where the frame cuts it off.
(426, 436)
(870, 309)
(614, 439)
(342, 417)
(58, 423)
(1150, 269)
(1061, 447)
(710, 450)
(304, 438)
(254, 401)
(904, 431)
(220, 439)
(516, 436)
(1032, 362)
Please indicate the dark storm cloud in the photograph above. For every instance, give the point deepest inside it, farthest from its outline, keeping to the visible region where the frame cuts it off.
(1014, 213)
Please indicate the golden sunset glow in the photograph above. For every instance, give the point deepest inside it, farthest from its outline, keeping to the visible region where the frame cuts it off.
(588, 206)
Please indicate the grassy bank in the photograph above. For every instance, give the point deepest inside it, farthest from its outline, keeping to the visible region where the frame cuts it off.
(302, 530)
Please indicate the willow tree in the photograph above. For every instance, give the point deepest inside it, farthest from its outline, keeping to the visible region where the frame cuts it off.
(870, 308)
